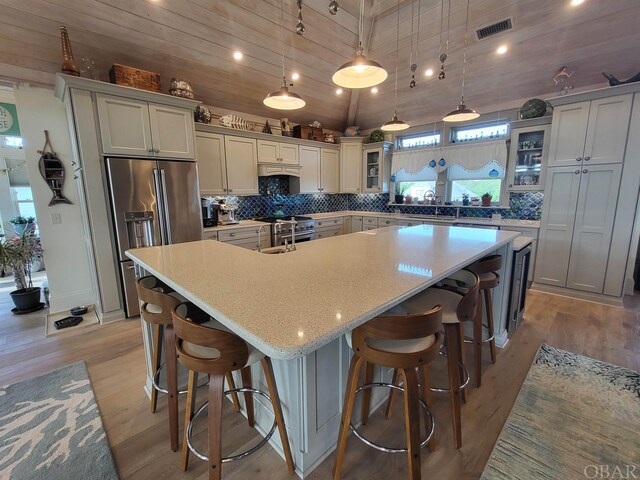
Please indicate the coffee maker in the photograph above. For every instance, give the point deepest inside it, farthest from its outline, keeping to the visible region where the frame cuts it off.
(209, 213)
(226, 211)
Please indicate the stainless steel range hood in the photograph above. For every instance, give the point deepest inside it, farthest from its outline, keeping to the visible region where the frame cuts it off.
(271, 169)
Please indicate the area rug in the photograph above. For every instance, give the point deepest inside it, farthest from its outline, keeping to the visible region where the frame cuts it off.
(574, 417)
(50, 428)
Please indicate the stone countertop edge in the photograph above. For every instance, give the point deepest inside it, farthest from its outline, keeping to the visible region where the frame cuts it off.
(319, 340)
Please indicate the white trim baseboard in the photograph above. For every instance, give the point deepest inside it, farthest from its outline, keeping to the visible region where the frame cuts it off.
(575, 294)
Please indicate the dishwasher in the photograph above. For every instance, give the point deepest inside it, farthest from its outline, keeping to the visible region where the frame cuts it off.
(518, 291)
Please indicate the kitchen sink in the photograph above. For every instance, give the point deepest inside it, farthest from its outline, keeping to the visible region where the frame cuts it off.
(273, 250)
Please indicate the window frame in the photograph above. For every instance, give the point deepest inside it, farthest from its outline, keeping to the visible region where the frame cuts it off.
(453, 130)
(426, 133)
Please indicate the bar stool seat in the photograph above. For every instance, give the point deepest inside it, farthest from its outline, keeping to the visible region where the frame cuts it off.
(397, 346)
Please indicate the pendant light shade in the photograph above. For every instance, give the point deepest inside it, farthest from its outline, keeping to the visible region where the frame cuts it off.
(283, 99)
(394, 124)
(360, 73)
(461, 114)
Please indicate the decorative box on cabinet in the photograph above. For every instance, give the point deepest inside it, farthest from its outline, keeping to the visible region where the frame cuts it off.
(376, 166)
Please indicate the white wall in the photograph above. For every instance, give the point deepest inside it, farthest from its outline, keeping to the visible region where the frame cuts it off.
(65, 252)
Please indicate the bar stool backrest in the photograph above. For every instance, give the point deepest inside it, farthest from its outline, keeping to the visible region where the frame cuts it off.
(153, 293)
(229, 352)
(467, 284)
(489, 264)
(399, 327)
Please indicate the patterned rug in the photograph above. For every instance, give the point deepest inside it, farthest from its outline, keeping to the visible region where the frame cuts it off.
(50, 428)
(574, 418)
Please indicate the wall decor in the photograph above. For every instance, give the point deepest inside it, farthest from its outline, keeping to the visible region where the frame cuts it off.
(239, 123)
(9, 120)
(134, 77)
(181, 88)
(286, 127)
(267, 128)
(352, 131)
(613, 81)
(533, 108)
(202, 114)
(68, 65)
(333, 7)
(52, 170)
(443, 46)
(300, 26)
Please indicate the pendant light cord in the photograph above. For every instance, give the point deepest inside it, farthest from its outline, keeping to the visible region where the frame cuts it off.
(360, 25)
(284, 76)
(464, 55)
(397, 49)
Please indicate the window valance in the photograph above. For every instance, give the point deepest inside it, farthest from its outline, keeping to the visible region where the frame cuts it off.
(469, 157)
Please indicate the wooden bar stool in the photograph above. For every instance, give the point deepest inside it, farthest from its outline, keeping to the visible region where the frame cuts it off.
(487, 270)
(157, 302)
(458, 295)
(205, 345)
(406, 343)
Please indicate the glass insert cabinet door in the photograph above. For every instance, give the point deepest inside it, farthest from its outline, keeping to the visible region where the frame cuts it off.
(528, 158)
(373, 170)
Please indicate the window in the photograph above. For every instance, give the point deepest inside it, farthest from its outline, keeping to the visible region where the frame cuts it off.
(23, 201)
(476, 183)
(421, 140)
(12, 142)
(483, 131)
(415, 184)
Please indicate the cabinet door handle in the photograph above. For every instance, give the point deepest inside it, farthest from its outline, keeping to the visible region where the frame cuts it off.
(586, 170)
(510, 185)
(579, 159)
(150, 150)
(156, 150)
(577, 171)
(232, 234)
(586, 159)
(229, 190)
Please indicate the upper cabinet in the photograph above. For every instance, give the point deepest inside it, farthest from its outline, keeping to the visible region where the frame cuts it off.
(310, 172)
(376, 166)
(320, 172)
(137, 128)
(527, 158)
(329, 170)
(590, 132)
(212, 165)
(276, 152)
(351, 166)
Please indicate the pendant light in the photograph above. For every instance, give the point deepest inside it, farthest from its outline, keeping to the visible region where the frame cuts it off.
(394, 124)
(462, 113)
(361, 72)
(283, 99)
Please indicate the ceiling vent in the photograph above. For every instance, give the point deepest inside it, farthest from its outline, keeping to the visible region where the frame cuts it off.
(498, 27)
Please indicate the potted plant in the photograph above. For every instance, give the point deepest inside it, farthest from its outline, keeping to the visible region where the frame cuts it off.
(486, 200)
(17, 254)
(20, 224)
(400, 189)
(465, 199)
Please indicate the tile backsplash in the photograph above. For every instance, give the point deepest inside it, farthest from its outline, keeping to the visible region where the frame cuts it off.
(274, 194)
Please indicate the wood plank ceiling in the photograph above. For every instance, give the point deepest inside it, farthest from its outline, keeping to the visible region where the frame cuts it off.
(195, 40)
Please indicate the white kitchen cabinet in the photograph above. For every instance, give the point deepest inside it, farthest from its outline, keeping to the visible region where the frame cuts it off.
(409, 223)
(356, 224)
(336, 222)
(368, 222)
(246, 237)
(590, 132)
(578, 214)
(328, 232)
(385, 222)
(329, 170)
(376, 168)
(212, 169)
(351, 166)
(527, 158)
(320, 171)
(241, 156)
(276, 152)
(137, 128)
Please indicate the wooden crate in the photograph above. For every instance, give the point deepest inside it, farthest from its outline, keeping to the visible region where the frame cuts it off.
(308, 133)
(134, 77)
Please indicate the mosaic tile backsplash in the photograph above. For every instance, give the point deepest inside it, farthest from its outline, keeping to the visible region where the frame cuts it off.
(274, 194)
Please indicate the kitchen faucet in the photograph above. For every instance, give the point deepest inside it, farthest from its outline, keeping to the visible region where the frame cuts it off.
(431, 197)
(260, 236)
(293, 223)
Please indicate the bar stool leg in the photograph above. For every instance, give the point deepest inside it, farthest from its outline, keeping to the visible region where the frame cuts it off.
(216, 394)
(191, 406)
(366, 394)
(347, 410)
(157, 361)
(172, 384)
(277, 410)
(477, 346)
(234, 395)
(412, 421)
(426, 396)
(452, 334)
(245, 373)
(392, 391)
(488, 300)
(460, 346)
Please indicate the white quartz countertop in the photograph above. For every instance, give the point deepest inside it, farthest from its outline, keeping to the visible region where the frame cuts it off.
(521, 242)
(291, 304)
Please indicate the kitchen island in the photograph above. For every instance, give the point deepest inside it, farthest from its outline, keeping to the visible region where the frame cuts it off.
(296, 306)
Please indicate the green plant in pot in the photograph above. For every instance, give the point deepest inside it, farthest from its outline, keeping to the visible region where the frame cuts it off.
(486, 200)
(17, 254)
(465, 199)
(20, 224)
(400, 189)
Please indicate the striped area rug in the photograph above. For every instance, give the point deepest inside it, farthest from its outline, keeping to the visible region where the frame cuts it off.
(574, 418)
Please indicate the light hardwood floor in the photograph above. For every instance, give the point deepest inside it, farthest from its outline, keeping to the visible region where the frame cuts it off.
(140, 443)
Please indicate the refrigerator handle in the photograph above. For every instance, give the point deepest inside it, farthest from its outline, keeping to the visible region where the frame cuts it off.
(160, 201)
(165, 206)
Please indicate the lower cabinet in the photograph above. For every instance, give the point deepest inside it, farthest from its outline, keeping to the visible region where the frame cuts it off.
(329, 227)
(356, 224)
(385, 222)
(410, 223)
(246, 237)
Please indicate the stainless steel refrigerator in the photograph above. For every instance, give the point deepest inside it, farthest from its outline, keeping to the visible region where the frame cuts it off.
(154, 202)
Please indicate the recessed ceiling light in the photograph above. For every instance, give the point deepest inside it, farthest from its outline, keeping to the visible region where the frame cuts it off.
(374, 90)
(295, 76)
(502, 49)
(429, 72)
(237, 55)
(575, 3)
(338, 91)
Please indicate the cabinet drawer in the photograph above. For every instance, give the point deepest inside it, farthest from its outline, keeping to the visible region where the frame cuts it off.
(385, 222)
(410, 223)
(329, 222)
(249, 243)
(370, 221)
(210, 236)
(328, 232)
(242, 233)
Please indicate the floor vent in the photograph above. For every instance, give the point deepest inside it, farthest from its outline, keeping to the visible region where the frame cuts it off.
(498, 27)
